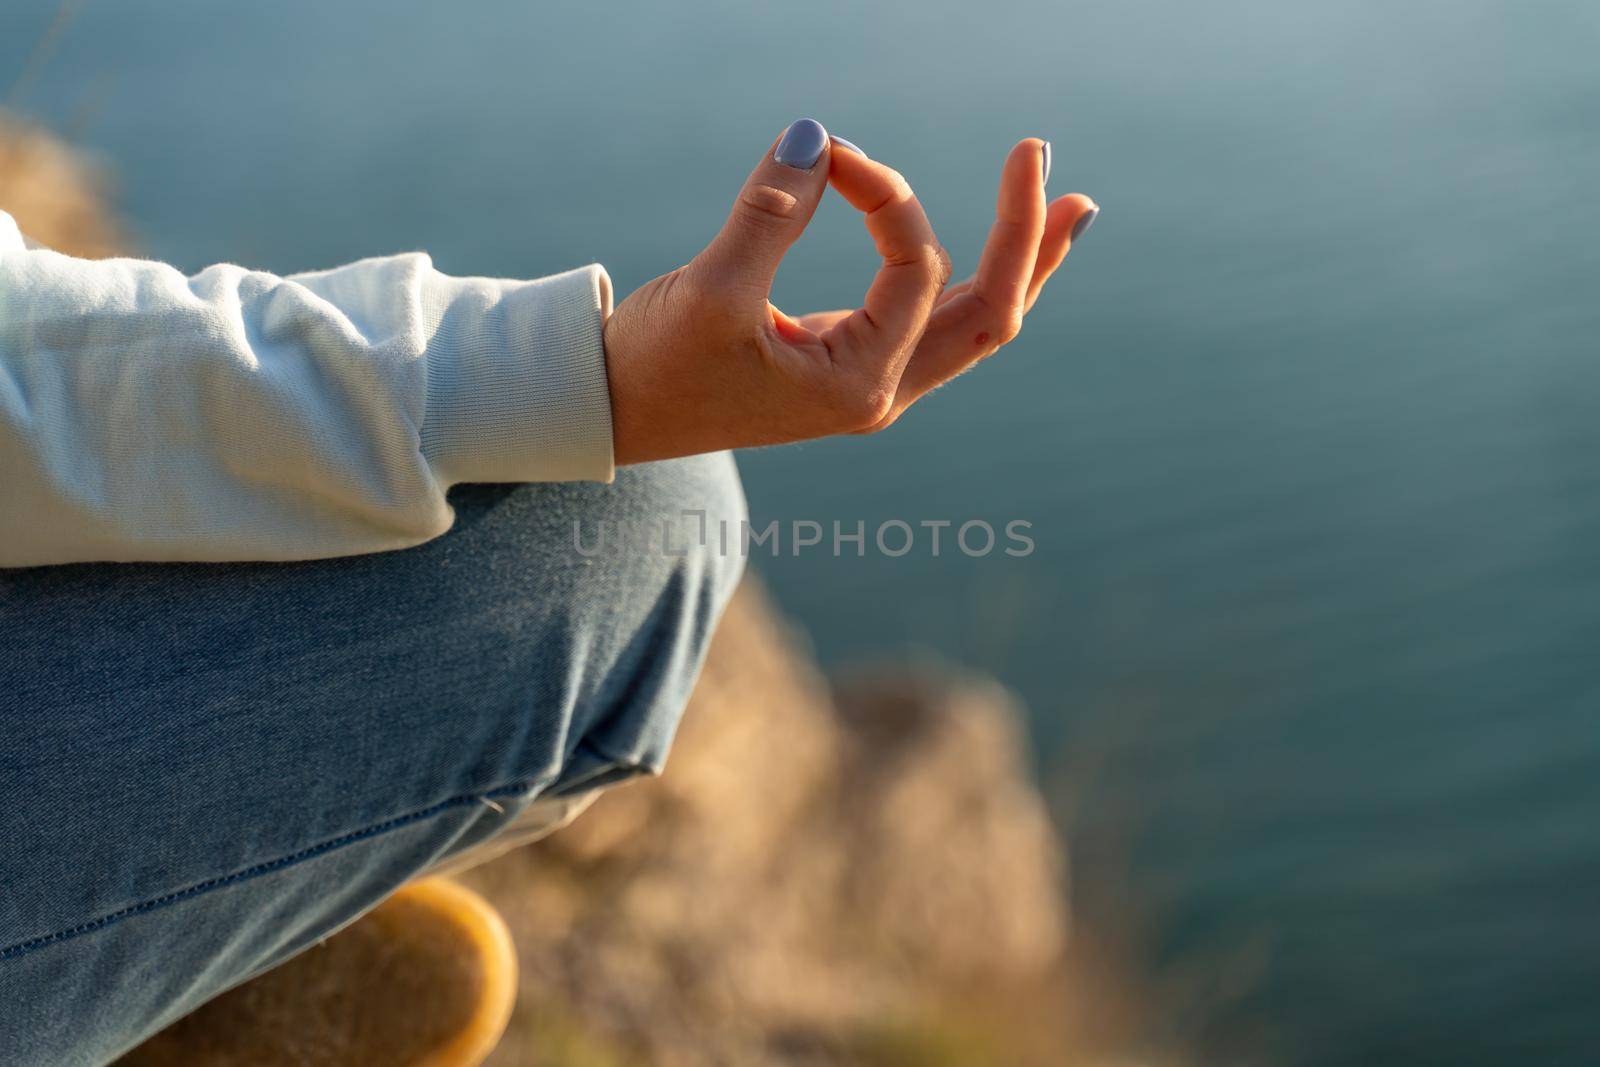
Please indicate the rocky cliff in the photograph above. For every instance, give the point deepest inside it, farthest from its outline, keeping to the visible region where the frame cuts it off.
(853, 874)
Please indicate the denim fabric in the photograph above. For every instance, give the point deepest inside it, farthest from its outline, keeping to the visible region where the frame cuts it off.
(206, 768)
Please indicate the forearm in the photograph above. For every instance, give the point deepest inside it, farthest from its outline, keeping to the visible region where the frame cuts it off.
(240, 415)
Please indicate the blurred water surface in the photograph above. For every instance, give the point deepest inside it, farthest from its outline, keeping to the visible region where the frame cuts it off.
(1307, 431)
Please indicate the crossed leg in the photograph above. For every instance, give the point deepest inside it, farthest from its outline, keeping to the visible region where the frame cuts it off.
(207, 768)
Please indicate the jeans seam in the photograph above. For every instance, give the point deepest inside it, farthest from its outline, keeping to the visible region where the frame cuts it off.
(22, 948)
(634, 765)
(633, 762)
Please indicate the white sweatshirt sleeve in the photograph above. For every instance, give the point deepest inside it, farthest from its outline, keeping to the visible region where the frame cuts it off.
(238, 415)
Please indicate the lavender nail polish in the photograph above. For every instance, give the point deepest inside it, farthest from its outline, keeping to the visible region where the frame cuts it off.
(1085, 220)
(842, 143)
(802, 145)
(1046, 179)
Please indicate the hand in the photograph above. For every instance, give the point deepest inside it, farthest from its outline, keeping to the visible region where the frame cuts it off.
(699, 360)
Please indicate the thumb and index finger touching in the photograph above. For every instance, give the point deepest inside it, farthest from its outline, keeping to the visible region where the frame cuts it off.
(778, 200)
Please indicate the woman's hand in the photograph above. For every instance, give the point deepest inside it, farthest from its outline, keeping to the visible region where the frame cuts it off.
(699, 360)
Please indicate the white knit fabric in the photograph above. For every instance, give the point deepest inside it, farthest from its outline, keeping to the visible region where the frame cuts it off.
(238, 415)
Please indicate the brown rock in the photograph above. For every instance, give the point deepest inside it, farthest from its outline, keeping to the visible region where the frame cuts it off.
(809, 865)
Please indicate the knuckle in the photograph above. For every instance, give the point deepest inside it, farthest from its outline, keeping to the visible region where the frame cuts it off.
(769, 205)
(899, 191)
(929, 258)
(863, 410)
(878, 425)
(1009, 326)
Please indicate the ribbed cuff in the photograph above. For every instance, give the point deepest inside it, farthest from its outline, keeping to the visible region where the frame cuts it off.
(517, 378)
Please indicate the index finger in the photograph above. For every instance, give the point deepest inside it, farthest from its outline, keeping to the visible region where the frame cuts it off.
(885, 329)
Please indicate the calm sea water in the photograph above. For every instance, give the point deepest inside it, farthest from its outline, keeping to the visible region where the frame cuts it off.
(1307, 432)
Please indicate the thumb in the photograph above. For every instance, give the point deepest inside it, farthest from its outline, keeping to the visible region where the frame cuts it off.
(772, 211)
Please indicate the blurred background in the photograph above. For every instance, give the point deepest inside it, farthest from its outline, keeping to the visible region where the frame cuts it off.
(1306, 428)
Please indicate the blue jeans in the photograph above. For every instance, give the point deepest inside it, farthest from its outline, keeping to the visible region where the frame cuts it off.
(206, 768)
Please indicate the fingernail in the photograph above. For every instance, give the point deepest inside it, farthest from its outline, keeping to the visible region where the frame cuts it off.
(1085, 220)
(1047, 163)
(802, 145)
(842, 143)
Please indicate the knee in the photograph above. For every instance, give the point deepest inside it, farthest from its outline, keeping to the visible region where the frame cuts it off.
(661, 556)
(659, 520)
(672, 522)
(617, 590)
